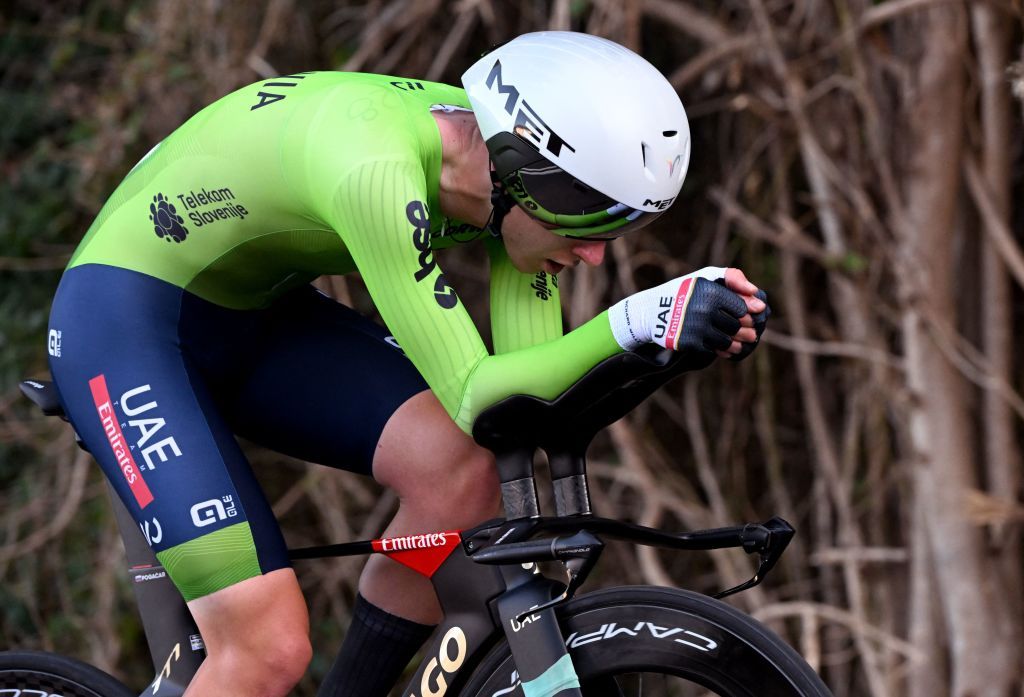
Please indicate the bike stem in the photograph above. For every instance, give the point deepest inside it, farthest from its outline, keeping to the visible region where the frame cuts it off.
(516, 427)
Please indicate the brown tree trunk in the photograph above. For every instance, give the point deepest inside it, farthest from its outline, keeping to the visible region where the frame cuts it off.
(927, 677)
(992, 36)
(981, 660)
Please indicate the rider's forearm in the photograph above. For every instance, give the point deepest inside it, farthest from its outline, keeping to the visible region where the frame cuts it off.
(525, 308)
(544, 371)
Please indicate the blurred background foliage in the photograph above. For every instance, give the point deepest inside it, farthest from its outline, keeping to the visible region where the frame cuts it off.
(859, 160)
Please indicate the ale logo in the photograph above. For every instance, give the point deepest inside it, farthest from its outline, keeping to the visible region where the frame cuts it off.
(166, 221)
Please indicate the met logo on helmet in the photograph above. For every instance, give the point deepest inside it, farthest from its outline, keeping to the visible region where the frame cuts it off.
(662, 204)
(528, 123)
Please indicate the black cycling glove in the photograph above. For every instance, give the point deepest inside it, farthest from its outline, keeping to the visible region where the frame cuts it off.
(760, 322)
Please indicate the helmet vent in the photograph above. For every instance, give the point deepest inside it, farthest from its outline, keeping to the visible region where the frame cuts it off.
(669, 134)
(644, 147)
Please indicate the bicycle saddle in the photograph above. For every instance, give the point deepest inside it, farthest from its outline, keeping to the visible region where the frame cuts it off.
(43, 394)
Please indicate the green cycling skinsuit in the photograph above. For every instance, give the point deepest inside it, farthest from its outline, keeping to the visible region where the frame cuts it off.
(186, 313)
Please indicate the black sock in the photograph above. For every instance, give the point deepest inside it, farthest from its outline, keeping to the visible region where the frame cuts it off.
(373, 655)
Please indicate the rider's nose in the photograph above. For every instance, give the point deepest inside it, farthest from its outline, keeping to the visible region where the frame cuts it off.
(590, 253)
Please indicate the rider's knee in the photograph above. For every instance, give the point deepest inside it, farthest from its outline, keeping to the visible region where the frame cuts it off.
(475, 484)
(256, 633)
(438, 471)
(459, 489)
(273, 666)
(286, 662)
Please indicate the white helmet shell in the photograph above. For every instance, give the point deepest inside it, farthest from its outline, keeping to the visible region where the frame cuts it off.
(592, 107)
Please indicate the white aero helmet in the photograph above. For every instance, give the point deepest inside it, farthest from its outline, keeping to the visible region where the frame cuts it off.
(583, 133)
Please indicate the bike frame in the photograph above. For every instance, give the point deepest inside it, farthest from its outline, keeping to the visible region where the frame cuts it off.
(465, 588)
(487, 579)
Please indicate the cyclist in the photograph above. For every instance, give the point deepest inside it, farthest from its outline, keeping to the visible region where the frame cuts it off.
(186, 316)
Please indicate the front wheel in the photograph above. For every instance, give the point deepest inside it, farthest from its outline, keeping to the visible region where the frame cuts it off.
(39, 674)
(639, 641)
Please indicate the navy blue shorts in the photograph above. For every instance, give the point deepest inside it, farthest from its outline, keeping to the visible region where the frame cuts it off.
(157, 382)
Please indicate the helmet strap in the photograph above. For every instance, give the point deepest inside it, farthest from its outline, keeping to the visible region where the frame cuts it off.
(501, 204)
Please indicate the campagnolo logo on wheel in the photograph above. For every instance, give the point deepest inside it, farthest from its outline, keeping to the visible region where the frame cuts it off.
(612, 630)
(202, 207)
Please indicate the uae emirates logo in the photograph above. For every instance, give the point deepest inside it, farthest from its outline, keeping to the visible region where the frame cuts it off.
(167, 224)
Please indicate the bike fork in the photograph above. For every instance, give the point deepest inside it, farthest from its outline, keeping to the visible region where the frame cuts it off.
(538, 648)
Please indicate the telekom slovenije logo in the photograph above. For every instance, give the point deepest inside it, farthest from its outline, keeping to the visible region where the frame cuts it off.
(167, 224)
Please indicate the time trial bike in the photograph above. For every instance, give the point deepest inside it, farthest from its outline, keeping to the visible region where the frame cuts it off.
(510, 630)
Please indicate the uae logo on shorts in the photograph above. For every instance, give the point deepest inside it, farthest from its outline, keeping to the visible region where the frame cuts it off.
(166, 221)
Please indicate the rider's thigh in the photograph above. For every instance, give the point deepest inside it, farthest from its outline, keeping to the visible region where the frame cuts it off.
(436, 469)
(130, 385)
(320, 384)
(256, 633)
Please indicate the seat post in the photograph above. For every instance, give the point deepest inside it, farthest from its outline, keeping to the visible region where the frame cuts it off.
(166, 620)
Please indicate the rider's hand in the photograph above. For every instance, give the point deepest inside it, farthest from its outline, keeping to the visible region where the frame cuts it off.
(696, 312)
(754, 322)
